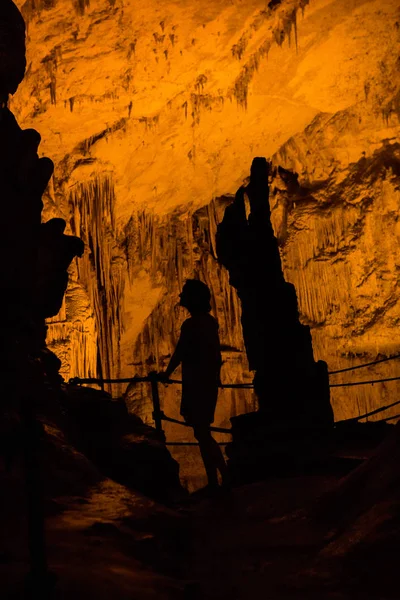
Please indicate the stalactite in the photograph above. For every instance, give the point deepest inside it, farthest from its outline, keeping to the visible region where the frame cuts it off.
(295, 30)
(150, 122)
(32, 7)
(303, 4)
(287, 21)
(50, 63)
(202, 102)
(101, 270)
(81, 6)
(241, 86)
(75, 345)
(259, 20)
(159, 39)
(84, 147)
(173, 249)
(329, 234)
(239, 48)
(200, 83)
(132, 48)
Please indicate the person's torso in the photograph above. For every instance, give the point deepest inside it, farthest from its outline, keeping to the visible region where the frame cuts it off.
(201, 347)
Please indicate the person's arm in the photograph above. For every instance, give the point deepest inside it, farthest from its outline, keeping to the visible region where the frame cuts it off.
(175, 360)
(176, 357)
(219, 357)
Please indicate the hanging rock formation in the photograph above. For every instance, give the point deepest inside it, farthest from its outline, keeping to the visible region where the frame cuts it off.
(160, 109)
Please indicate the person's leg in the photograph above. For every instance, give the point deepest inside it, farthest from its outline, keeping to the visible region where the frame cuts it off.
(211, 454)
(202, 434)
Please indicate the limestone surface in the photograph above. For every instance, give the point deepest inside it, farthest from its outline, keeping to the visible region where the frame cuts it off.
(152, 113)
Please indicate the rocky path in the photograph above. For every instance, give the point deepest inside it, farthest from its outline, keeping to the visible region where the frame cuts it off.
(256, 543)
(108, 543)
(259, 541)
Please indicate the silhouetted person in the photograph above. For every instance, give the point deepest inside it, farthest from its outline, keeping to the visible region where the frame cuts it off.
(198, 350)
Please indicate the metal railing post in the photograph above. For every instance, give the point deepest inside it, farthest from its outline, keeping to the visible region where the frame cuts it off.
(156, 402)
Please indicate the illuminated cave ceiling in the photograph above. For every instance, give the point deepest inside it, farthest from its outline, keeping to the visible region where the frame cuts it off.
(150, 110)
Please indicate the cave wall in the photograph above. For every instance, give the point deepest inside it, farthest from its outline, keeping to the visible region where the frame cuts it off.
(152, 114)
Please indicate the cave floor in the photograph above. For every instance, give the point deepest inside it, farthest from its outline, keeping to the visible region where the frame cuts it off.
(258, 543)
(99, 544)
(255, 542)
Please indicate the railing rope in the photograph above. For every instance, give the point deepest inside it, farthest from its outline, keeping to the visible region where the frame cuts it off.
(171, 420)
(159, 416)
(375, 362)
(89, 380)
(389, 418)
(136, 379)
(369, 414)
(371, 381)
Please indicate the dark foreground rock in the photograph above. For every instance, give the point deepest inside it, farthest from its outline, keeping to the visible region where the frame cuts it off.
(120, 443)
(102, 539)
(361, 517)
(261, 449)
(305, 536)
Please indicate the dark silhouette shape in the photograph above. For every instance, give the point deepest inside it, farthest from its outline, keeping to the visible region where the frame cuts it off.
(26, 368)
(56, 252)
(198, 350)
(12, 49)
(273, 4)
(289, 384)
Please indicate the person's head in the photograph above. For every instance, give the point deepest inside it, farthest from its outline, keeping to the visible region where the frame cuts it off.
(259, 170)
(195, 296)
(55, 226)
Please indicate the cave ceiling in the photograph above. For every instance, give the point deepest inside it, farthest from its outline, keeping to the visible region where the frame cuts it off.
(152, 113)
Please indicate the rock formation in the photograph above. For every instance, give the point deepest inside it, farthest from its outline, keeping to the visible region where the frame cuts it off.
(289, 384)
(34, 278)
(159, 112)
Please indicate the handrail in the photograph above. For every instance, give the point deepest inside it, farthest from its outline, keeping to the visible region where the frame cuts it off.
(159, 416)
(78, 380)
(371, 381)
(375, 362)
(97, 380)
(136, 379)
(389, 418)
(369, 414)
(164, 417)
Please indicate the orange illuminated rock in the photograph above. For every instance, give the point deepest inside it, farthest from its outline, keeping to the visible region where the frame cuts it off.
(152, 116)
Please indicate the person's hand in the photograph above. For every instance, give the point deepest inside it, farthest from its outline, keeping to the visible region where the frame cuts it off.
(163, 377)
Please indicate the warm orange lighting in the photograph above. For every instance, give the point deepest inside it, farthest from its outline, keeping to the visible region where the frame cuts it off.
(153, 118)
